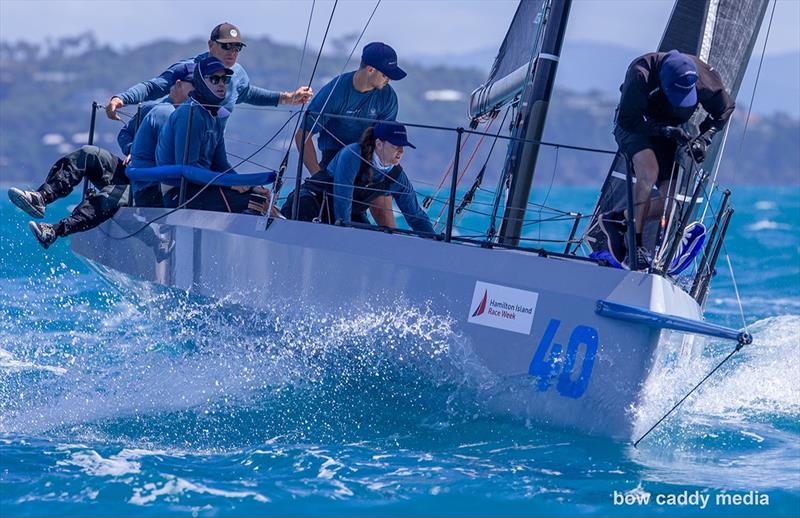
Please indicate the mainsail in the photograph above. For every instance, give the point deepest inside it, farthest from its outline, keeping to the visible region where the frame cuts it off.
(722, 33)
(513, 62)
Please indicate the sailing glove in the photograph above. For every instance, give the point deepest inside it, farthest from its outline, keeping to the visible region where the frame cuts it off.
(679, 135)
(700, 146)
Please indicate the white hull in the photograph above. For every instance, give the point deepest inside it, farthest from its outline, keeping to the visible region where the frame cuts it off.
(531, 302)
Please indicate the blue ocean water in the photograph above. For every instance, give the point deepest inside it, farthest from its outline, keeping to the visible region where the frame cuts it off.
(161, 404)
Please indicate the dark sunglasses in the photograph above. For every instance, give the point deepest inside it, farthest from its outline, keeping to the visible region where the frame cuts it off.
(231, 46)
(214, 80)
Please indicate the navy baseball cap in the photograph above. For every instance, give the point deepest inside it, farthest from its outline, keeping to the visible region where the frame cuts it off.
(183, 72)
(382, 57)
(392, 132)
(210, 65)
(678, 77)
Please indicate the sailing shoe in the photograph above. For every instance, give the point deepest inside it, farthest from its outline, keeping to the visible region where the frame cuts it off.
(612, 225)
(644, 260)
(45, 233)
(29, 201)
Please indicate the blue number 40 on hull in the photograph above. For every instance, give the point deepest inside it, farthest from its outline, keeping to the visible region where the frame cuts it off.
(547, 363)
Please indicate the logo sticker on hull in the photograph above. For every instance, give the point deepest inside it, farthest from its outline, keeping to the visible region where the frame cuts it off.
(502, 307)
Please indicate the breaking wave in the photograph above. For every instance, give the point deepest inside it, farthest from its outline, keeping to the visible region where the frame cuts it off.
(171, 366)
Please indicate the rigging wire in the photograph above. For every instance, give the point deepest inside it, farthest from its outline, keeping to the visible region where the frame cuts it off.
(469, 196)
(463, 171)
(755, 85)
(285, 162)
(684, 398)
(279, 181)
(202, 189)
(426, 203)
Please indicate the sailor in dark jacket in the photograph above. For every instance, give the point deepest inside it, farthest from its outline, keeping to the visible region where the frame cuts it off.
(104, 170)
(661, 92)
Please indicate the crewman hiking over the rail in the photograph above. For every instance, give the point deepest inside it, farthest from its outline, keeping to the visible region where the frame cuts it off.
(360, 173)
(661, 92)
(103, 169)
(224, 44)
(196, 128)
(143, 148)
(363, 93)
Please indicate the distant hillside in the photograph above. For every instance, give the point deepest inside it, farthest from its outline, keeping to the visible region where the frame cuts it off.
(46, 94)
(778, 86)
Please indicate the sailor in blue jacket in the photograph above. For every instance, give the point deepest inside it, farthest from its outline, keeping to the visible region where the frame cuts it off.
(201, 143)
(143, 148)
(357, 175)
(363, 93)
(224, 44)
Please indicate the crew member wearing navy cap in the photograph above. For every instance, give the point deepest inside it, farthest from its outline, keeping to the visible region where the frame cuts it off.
(360, 173)
(661, 92)
(225, 44)
(363, 93)
(194, 136)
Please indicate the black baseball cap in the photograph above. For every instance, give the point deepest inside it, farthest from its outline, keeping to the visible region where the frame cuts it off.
(382, 57)
(392, 132)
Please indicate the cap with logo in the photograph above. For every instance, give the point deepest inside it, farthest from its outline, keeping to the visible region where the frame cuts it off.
(678, 77)
(392, 132)
(210, 65)
(382, 57)
(226, 33)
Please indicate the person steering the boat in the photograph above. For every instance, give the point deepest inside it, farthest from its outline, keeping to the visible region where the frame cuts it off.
(363, 93)
(661, 92)
(194, 136)
(105, 171)
(225, 44)
(359, 174)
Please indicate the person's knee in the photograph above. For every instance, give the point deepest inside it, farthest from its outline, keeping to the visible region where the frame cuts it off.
(645, 165)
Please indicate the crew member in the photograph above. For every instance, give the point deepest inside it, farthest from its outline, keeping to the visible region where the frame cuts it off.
(104, 170)
(661, 92)
(363, 93)
(359, 174)
(206, 143)
(224, 44)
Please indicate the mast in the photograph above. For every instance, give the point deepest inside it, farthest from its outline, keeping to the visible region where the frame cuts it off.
(533, 112)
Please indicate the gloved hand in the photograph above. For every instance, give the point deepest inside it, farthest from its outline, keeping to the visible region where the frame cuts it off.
(679, 135)
(700, 146)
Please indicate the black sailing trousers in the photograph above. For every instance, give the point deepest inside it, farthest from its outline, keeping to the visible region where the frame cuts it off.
(104, 170)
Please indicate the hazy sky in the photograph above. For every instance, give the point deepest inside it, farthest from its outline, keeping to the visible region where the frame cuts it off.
(415, 27)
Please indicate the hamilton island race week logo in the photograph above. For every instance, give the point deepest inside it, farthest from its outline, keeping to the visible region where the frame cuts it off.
(482, 306)
(503, 307)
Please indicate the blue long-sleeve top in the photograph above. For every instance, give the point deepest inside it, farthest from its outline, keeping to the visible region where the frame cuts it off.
(206, 140)
(153, 119)
(239, 91)
(127, 134)
(344, 99)
(344, 168)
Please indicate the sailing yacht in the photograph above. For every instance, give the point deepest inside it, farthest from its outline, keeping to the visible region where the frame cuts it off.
(573, 340)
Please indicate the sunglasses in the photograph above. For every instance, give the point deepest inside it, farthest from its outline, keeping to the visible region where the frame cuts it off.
(215, 79)
(231, 46)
